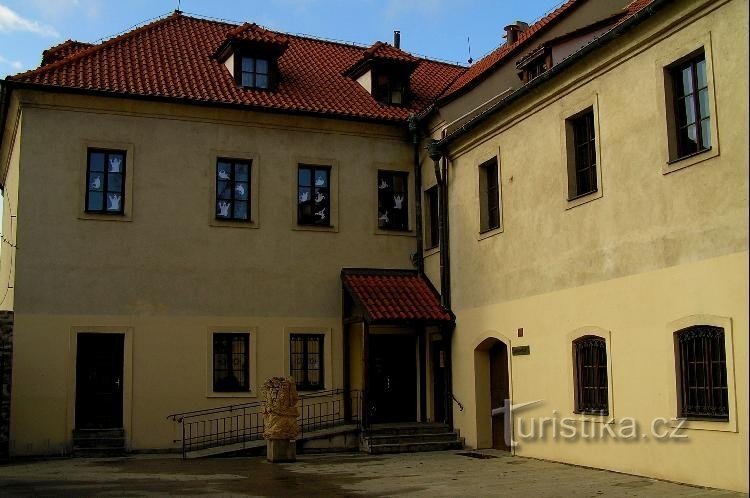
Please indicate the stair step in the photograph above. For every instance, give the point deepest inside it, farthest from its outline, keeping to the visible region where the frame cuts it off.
(406, 429)
(111, 442)
(98, 451)
(379, 449)
(98, 433)
(412, 438)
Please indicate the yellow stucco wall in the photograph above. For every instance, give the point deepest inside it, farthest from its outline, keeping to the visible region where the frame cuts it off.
(656, 245)
(166, 275)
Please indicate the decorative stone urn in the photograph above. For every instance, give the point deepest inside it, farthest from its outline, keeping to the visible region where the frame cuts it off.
(280, 419)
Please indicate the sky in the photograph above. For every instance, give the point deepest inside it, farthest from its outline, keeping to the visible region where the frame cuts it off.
(448, 30)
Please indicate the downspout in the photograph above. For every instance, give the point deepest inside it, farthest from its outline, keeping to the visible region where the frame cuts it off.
(441, 175)
(414, 130)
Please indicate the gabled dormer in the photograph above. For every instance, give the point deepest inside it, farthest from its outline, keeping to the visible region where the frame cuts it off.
(251, 54)
(384, 71)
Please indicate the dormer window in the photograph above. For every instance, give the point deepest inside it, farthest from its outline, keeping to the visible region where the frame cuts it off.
(254, 72)
(535, 64)
(251, 54)
(384, 71)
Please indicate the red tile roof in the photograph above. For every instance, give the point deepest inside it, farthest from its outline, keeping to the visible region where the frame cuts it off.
(172, 58)
(394, 295)
(483, 67)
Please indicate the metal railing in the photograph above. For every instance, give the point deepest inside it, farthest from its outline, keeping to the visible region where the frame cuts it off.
(242, 423)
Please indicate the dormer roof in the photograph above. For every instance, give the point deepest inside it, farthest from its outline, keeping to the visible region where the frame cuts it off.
(63, 50)
(384, 53)
(250, 35)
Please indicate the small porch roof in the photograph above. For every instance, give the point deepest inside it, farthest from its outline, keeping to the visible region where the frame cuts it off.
(394, 296)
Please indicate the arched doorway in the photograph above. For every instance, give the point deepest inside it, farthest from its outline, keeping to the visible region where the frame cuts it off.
(492, 370)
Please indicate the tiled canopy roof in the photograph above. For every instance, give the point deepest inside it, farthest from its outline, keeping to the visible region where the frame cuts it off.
(394, 295)
(173, 58)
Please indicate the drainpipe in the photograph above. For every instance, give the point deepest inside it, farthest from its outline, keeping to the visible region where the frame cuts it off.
(441, 175)
(414, 130)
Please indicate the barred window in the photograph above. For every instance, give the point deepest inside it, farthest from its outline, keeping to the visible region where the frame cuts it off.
(306, 361)
(489, 196)
(431, 226)
(582, 178)
(591, 383)
(231, 362)
(702, 377)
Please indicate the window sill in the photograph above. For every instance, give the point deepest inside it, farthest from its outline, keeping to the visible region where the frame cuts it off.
(315, 228)
(705, 425)
(690, 160)
(234, 223)
(490, 233)
(105, 217)
(590, 417)
(431, 251)
(249, 394)
(395, 231)
(583, 199)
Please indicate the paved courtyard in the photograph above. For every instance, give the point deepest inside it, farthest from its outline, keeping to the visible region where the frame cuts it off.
(420, 474)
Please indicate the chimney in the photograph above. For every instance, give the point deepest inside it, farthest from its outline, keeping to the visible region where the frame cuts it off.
(397, 39)
(513, 30)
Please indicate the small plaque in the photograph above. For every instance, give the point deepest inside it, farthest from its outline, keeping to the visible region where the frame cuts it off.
(521, 350)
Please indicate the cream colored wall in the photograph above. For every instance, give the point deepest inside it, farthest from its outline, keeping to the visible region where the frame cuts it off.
(658, 245)
(12, 151)
(169, 275)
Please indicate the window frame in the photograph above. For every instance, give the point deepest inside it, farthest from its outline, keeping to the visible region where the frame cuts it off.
(684, 374)
(489, 197)
(686, 49)
(580, 387)
(673, 75)
(582, 130)
(306, 385)
(234, 162)
(105, 179)
(431, 224)
(586, 103)
(314, 170)
(405, 178)
(240, 72)
(247, 386)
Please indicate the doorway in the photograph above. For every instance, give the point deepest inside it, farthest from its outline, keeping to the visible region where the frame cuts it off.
(392, 378)
(99, 381)
(499, 392)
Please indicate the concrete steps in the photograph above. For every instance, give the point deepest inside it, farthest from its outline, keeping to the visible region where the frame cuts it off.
(410, 438)
(98, 442)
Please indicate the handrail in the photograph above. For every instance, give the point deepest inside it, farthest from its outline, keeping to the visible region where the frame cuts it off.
(460, 405)
(177, 417)
(244, 422)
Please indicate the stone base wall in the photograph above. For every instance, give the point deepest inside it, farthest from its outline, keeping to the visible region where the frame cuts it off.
(6, 356)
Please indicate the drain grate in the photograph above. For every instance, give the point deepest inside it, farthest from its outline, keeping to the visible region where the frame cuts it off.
(476, 454)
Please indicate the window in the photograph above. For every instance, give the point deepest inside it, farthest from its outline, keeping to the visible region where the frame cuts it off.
(393, 200)
(489, 196)
(432, 227)
(590, 371)
(314, 195)
(702, 373)
(390, 88)
(306, 361)
(581, 154)
(105, 176)
(254, 73)
(233, 189)
(231, 362)
(692, 121)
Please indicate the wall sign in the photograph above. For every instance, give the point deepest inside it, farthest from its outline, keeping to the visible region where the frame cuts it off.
(520, 350)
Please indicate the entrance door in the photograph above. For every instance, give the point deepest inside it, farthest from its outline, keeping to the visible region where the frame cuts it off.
(392, 378)
(438, 381)
(99, 381)
(499, 392)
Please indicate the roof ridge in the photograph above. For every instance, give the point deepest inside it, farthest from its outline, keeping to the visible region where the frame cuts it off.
(95, 47)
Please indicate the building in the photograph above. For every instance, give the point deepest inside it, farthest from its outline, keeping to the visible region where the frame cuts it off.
(227, 203)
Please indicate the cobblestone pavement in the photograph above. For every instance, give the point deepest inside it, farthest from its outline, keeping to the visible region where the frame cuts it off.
(419, 474)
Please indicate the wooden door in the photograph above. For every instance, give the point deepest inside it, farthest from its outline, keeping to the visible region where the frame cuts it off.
(99, 387)
(392, 378)
(499, 392)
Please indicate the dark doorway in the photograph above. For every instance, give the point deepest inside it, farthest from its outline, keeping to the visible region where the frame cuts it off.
(392, 378)
(438, 381)
(499, 392)
(99, 381)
